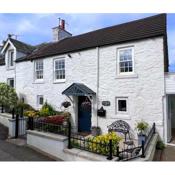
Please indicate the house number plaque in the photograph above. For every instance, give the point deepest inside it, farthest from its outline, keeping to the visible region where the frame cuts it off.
(106, 103)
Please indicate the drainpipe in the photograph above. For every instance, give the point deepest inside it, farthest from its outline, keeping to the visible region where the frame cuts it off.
(98, 80)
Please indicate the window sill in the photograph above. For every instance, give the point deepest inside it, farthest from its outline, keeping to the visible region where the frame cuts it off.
(59, 81)
(10, 68)
(123, 76)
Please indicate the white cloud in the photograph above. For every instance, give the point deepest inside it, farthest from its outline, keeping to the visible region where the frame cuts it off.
(25, 26)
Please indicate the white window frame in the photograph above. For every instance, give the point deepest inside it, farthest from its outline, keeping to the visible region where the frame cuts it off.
(117, 106)
(118, 60)
(38, 100)
(35, 70)
(10, 58)
(8, 81)
(54, 70)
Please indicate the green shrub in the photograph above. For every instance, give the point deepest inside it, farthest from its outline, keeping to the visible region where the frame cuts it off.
(8, 96)
(160, 145)
(31, 113)
(47, 110)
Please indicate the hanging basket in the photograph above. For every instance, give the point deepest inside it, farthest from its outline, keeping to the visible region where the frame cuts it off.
(86, 105)
(66, 104)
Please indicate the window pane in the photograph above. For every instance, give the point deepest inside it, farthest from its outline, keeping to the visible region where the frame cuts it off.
(10, 82)
(59, 69)
(39, 69)
(10, 58)
(125, 60)
(41, 100)
(122, 105)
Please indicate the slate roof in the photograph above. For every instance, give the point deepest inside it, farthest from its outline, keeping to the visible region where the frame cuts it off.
(22, 47)
(78, 89)
(135, 30)
(2, 58)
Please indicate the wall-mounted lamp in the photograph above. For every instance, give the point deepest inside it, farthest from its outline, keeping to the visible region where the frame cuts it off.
(69, 55)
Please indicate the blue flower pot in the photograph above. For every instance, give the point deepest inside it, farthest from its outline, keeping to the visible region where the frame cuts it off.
(141, 138)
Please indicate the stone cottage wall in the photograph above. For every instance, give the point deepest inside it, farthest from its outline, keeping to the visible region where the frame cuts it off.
(144, 89)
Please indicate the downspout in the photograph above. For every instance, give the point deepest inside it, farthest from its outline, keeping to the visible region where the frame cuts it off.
(98, 81)
(15, 68)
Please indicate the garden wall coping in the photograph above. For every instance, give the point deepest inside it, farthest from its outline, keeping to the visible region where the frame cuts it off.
(48, 135)
(7, 115)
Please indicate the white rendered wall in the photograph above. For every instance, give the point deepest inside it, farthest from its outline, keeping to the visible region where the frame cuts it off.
(145, 90)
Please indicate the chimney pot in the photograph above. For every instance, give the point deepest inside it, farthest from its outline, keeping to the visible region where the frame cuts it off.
(9, 35)
(62, 25)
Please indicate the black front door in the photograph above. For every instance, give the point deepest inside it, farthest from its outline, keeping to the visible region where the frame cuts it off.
(84, 115)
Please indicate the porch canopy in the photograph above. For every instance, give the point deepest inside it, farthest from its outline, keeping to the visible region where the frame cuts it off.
(78, 89)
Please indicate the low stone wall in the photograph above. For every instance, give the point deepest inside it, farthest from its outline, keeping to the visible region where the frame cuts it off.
(6, 120)
(56, 146)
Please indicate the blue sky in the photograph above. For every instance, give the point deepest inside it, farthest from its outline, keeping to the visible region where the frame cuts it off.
(36, 28)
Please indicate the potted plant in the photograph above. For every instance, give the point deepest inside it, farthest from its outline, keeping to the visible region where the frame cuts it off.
(66, 104)
(95, 130)
(141, 127)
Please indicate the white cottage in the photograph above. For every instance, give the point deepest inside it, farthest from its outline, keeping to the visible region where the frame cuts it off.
(123, 68)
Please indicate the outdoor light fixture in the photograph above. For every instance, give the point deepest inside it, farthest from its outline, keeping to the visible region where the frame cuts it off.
(69, 55)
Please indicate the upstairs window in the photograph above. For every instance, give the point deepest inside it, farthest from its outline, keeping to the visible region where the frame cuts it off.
(59, 69)
(39, 69)
(125, 60)
(10, 58)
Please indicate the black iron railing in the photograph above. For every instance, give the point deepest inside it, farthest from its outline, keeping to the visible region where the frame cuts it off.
(136, 151)
(39, 125)
(149, 136)
(128, 154)
(75, 140)
(109, 149)
(90, 145)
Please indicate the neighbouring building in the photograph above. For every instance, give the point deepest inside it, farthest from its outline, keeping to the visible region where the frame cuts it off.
(123, 68)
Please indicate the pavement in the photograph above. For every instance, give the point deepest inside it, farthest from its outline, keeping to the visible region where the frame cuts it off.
(17, 149)
(168, 154)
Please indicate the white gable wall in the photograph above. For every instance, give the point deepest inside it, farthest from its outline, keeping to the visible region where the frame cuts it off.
(144, 91)
(5, 71)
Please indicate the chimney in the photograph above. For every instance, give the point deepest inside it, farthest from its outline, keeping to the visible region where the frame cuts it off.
(62, 24)
(9, 35)
(60, 32)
